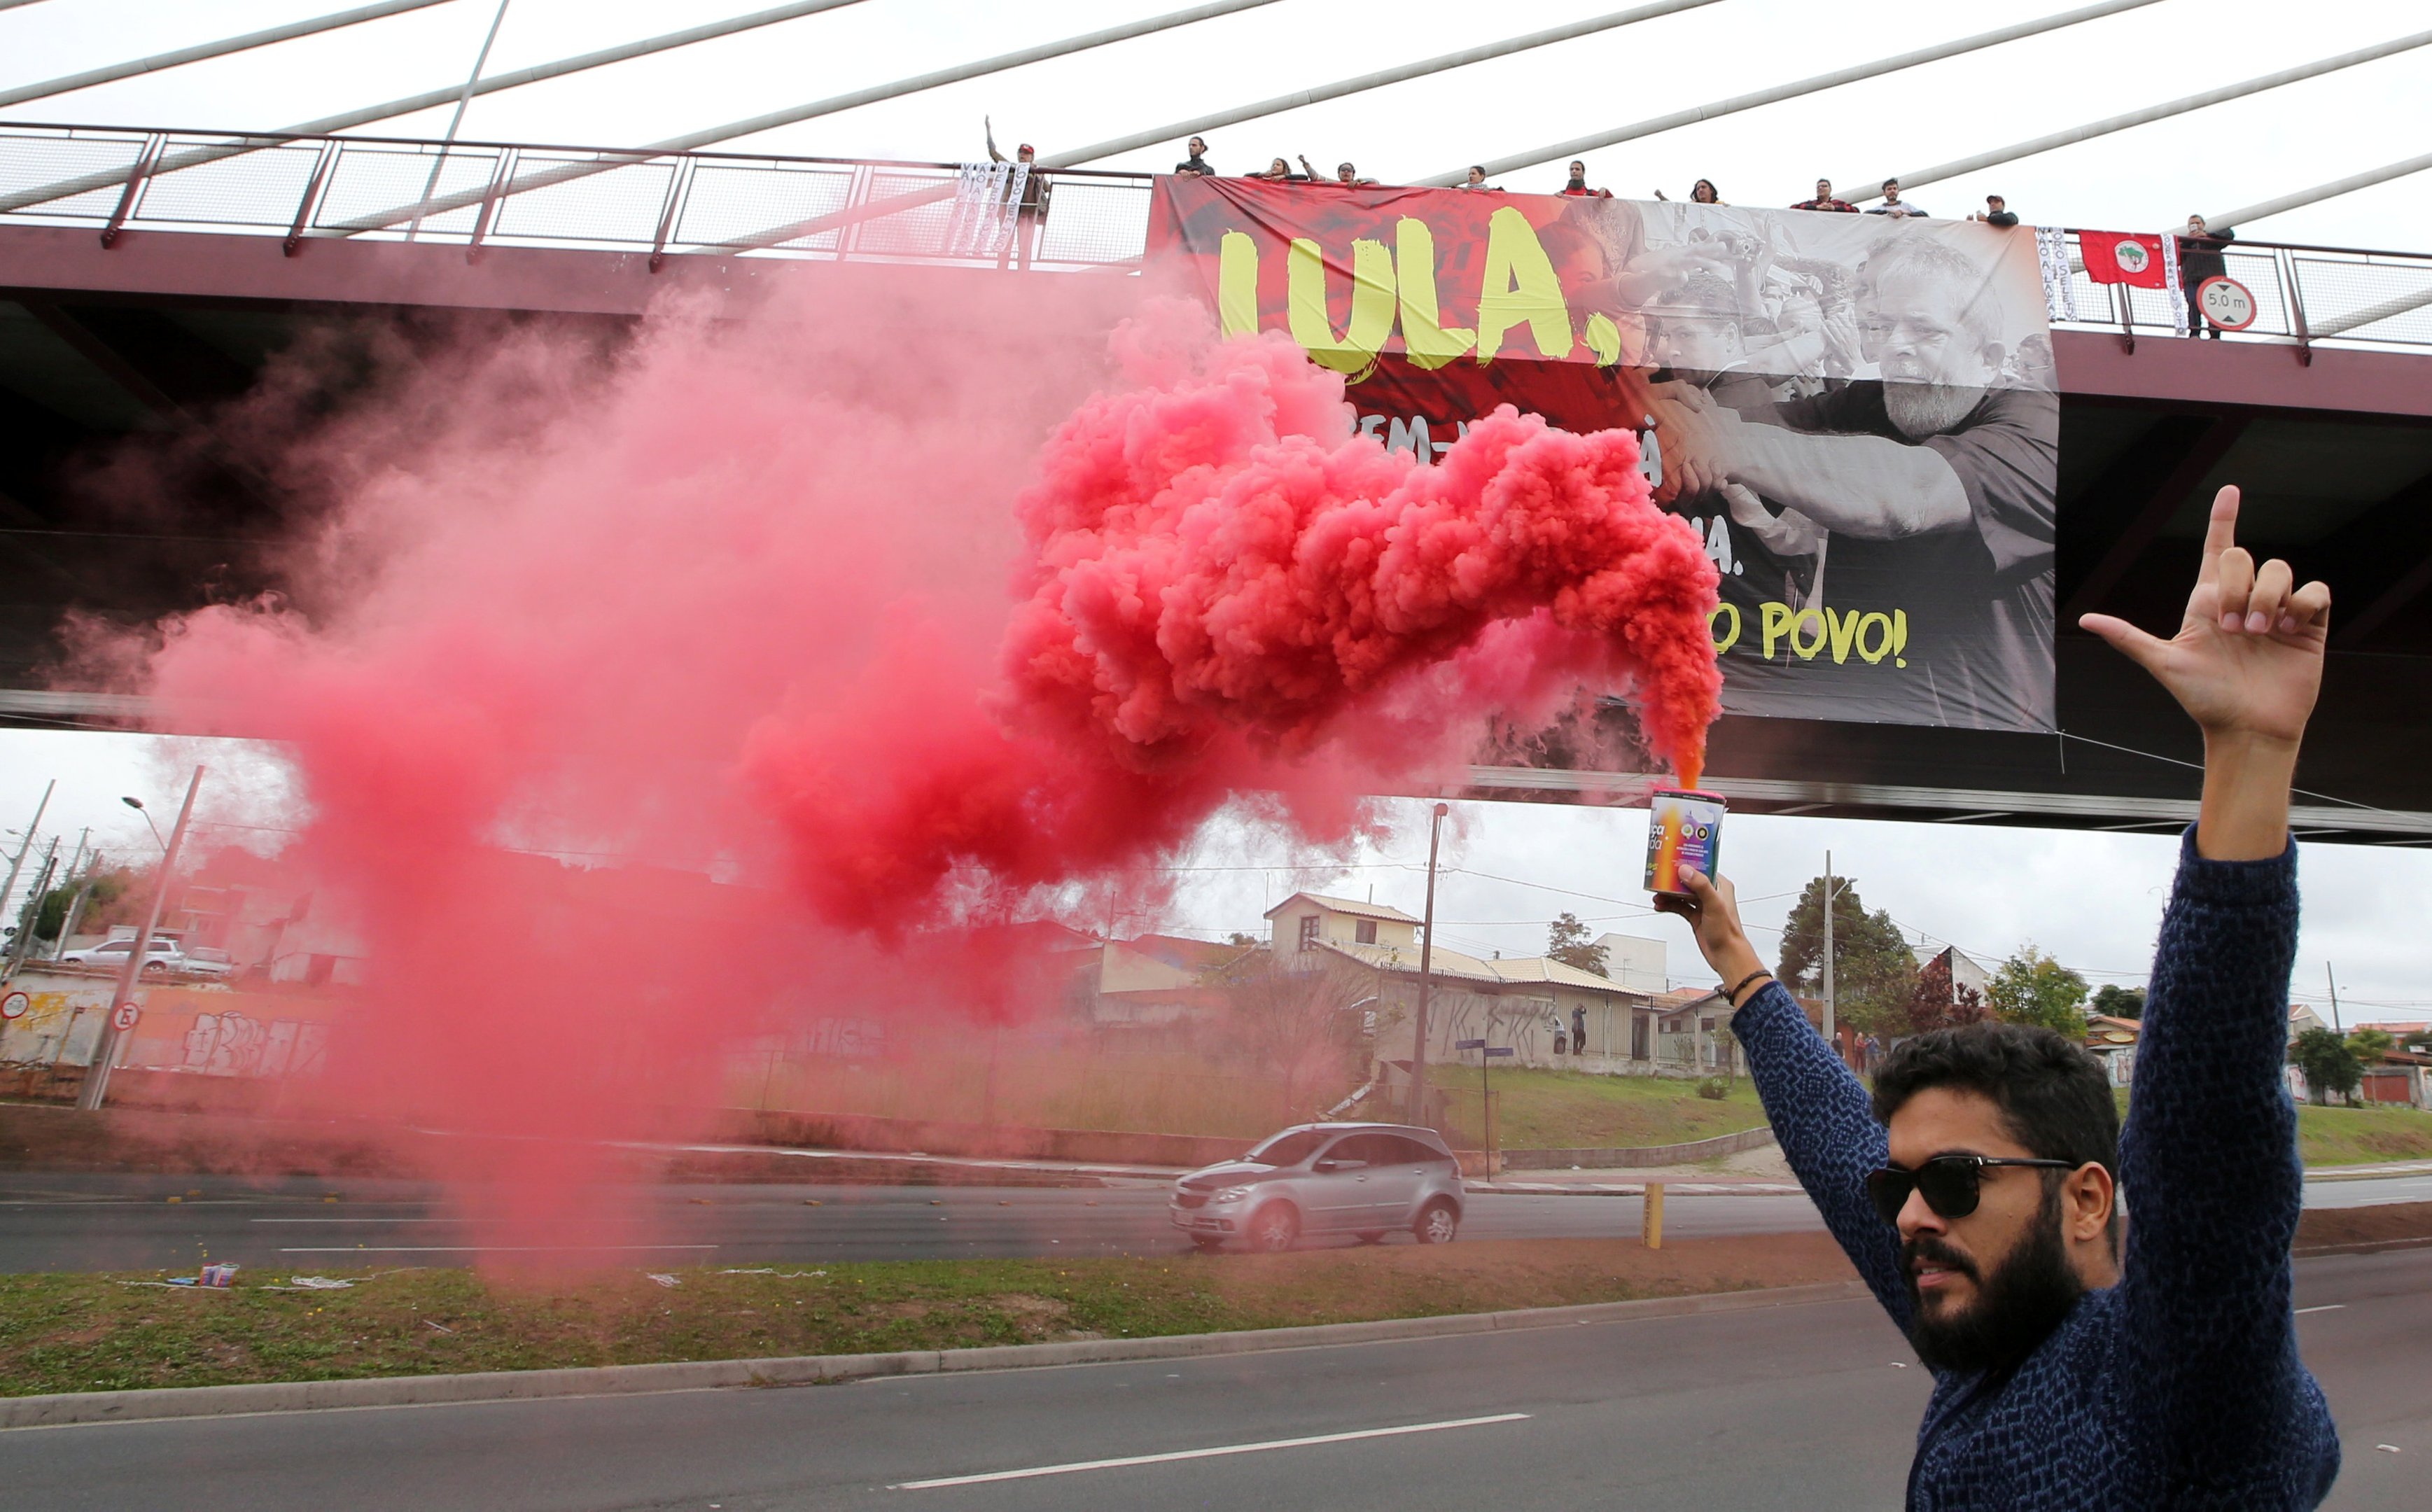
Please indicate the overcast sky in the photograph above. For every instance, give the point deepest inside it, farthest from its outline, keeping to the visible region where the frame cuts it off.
(2091, 898)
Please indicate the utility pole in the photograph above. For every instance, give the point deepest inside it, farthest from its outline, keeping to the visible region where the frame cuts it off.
(1426, 960)
(1829, 890)
(15, 867)
(96, 1079)
(31, 913)
(75, 904)
(2334, 979)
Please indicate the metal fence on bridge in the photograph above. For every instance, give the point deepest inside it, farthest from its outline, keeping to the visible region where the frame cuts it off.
(476, 194)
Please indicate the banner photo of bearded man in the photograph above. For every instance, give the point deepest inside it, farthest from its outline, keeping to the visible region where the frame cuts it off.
(1858, 417)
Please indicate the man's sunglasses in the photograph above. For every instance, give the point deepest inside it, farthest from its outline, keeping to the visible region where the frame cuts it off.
(1950, 1185)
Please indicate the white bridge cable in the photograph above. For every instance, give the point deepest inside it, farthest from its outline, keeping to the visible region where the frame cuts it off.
(294, 29)
(692, 140)
(431, 99)
(1184, 131)
(2152, 112)
(2337, 186)
(12, 5)
(1677, 119)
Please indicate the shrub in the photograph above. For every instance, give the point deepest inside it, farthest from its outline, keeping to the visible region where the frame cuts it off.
(1714, 1089)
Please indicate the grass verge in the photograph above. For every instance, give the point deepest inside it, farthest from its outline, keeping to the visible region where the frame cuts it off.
(91, 1332)
(1573, 1110)
(2357, 1136)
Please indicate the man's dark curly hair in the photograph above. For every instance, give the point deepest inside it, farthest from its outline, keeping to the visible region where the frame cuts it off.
(2052, 1095)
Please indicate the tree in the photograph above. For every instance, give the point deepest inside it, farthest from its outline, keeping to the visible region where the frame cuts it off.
(1939, 1003)
(1303, 1025)
(1245, 941)
(2329, 1063)
(1874, 974)
(2115, 1001)
(2369, 1045)
(2032, 988)
(1566, 940)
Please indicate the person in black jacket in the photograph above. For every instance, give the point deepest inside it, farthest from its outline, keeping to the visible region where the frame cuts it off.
(2199, 258)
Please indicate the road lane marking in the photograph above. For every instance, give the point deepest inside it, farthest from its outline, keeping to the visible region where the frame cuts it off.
(2326, 1308)
(1128, 1461)
(467, 1248)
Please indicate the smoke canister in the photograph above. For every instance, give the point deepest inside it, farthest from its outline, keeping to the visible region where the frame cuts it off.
(1683, 829)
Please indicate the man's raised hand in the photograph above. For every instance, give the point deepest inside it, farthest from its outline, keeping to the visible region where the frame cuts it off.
(2247, 661)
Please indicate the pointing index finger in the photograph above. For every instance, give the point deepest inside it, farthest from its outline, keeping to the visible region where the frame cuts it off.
(2220, 533)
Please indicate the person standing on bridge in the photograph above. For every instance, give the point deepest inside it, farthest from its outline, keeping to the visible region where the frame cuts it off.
(1977, 1189)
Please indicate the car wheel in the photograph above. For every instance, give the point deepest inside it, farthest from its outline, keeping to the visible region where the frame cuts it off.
(1274, 1228)
(1373, 1237)
(1437, 1223)
(155, 965)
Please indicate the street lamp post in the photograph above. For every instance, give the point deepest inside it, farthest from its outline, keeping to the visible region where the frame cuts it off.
(1427, 959)
(96, 1080)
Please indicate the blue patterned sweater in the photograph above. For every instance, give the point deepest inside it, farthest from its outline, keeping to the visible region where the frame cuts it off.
(2180, 1387)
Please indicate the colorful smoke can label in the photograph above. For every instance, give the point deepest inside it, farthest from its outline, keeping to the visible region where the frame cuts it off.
(1682, 829)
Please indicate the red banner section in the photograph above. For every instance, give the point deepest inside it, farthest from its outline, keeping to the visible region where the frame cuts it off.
(1856, 417)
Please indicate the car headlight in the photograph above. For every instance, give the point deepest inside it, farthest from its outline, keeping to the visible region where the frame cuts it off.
(1232, 1194)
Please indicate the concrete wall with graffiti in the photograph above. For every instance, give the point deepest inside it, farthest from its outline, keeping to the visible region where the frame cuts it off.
(204, 1031)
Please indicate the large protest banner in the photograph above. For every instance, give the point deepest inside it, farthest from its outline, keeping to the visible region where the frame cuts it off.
(1857, 414)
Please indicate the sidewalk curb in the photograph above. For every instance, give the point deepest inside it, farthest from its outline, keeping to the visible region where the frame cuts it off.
(67, 1408)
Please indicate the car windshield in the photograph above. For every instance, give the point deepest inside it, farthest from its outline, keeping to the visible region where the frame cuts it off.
(1288, 1149)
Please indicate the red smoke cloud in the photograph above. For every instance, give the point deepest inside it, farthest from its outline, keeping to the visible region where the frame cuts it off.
(802, 601)
(1225, 589)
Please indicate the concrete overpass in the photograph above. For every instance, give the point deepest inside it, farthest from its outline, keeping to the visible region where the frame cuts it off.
(135, 308)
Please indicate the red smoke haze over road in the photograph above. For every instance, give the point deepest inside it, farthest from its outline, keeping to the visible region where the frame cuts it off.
(915, 611)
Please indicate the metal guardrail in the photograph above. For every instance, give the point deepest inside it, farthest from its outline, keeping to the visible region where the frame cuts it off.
(2308, 296)
(667, 203)
(686, 202)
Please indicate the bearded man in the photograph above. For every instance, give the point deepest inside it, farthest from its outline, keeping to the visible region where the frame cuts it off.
(1937, 481)
(1978, 1189)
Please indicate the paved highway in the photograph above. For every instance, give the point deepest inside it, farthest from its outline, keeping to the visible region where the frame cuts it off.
(1809, 1407)
(106, 1222)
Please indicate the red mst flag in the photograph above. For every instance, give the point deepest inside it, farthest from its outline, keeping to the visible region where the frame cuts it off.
(2123, 257)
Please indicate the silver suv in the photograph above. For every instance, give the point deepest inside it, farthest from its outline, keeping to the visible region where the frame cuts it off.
(1365, 1179)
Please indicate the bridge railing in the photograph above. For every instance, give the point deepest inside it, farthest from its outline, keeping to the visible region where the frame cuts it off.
(479, 193)
(490, 193)
(2301, 293)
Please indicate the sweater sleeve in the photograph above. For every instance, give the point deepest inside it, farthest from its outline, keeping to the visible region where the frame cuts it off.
(1826, 1125)
(2209, 1169)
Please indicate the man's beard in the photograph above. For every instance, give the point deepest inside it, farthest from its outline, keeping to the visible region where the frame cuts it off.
(1921, 409)
(2015, 1310)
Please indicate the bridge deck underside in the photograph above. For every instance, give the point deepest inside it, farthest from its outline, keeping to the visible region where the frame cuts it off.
(118, 369)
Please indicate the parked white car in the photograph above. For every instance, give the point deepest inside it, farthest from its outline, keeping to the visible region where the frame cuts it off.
(163, 955)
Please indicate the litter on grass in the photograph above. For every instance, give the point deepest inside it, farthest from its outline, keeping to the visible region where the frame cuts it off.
(663, 1278)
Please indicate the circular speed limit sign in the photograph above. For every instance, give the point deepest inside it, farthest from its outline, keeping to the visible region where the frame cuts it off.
(14, 1005)
(123, 1019)
(2226, 302)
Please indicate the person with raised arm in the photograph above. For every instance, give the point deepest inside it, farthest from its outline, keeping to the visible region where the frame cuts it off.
(2081, 1361)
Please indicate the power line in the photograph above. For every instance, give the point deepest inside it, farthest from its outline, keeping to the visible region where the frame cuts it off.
(2149, 113)
(1789, 91)
(1180, 131)
(157, 61)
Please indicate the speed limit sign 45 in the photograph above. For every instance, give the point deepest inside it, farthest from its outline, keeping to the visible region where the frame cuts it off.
(125, 1016)
(2226, 302)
